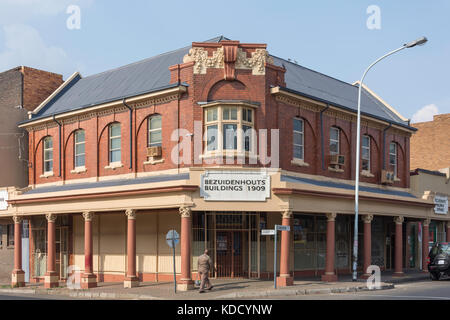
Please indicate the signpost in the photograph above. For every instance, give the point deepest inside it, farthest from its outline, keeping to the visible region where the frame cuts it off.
(172, 239)
(274, 232)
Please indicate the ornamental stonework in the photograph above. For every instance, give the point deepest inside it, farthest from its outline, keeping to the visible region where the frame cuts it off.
(257, 63)
(202, 61)
(185, 212)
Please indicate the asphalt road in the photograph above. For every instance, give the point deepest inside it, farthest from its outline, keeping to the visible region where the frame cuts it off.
(423, 290)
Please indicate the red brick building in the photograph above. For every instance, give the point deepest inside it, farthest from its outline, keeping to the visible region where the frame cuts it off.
(217, 140)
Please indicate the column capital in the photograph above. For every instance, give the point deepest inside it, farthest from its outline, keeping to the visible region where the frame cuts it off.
(51, 217)
(17, 219)
(88, 215)
(286, 214)
(331, 216)
(367, 218)
(426, 222)
(131, 214)
(399, 219)
(185, 212)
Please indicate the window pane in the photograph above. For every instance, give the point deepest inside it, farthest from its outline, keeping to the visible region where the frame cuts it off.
(334, 134)
(79, 161)
(115, 130)
(298, 152)
(48, 154)
(115, 143)
(211, 138)
(79, 136)
(211, 114)
(115, 156)
(229, 136)
(247, 137)
(365, 153)
(334, 147)
(392, 148)
(48, 143)
(298, 125)
(249, 115)
(48, 166)
(233, 113)
(226, 114)
(155, 122)
(365, 165)
(79, 148)
(365, 141)
(155, 137)
(298, 138)
(392, 159)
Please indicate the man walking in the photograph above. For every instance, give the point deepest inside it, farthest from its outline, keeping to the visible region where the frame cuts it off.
(204, 265)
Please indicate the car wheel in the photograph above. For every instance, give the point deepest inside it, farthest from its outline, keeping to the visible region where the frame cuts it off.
(435, 275)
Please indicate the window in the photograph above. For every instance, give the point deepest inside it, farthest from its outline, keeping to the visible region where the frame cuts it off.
(393, 157)
(48, 154)
(334, 140)
(234, 126)
(80, 156)
(154, 131)
(365, 153)
(114, 142)
(298, 139)
(10, 235)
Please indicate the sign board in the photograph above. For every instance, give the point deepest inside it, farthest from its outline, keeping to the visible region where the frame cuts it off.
(172, 238)
(3, 198)
(267, 232)
(283, 228)
(235, 186)
(440, 204)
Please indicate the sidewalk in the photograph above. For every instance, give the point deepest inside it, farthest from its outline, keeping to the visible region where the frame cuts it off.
(223, 289)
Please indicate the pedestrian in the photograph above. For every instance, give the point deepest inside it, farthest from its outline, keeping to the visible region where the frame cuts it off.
(204, 265)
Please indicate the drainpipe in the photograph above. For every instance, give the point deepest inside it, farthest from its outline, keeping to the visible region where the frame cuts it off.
(131, 132)
(384, 145)
(59, 124)
(321, 136)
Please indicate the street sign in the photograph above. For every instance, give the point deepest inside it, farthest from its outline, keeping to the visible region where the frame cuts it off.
(172, 238)
(268, 232)
(283, 228)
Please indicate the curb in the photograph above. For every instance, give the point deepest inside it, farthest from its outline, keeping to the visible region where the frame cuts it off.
(293, 292)
(426, 276)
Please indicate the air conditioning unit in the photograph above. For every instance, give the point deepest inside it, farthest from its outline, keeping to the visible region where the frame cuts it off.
(387, 177)
(154, 151)
(337, 159)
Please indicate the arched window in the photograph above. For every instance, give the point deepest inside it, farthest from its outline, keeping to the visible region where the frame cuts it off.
(299, 135)
(365, 152)
(79, 149)
(334, 140)
(114, 142)
(154, 131)
(48, 154)
(393, 157)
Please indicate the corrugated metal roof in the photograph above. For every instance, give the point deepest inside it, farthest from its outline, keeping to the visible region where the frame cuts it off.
(153, 74)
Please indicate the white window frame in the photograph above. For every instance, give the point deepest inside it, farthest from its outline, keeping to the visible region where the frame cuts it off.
(365, 136)
(50, 160)
(111, 138)
(302, 145)
(151, 130)
(77, 143)
(395, 155)
(337, 141)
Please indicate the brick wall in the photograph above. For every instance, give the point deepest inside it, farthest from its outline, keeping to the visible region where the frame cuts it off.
(430, 145)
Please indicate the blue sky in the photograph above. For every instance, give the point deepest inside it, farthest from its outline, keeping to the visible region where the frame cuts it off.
(328, 36)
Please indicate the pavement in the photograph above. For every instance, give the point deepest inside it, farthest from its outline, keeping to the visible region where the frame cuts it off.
(223, 289)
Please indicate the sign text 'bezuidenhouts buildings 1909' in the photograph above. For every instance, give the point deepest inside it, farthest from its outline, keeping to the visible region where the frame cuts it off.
(235, 186)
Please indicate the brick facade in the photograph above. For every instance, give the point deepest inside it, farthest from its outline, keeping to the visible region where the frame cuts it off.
(430, 146)
(271, 113)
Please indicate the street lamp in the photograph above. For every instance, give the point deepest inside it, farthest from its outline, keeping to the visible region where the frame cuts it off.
(418, 42)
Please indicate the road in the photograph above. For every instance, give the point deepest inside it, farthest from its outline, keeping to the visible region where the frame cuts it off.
(423, 290)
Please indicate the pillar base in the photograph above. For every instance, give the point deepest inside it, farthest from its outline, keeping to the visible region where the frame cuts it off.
(18, 278)
(88, 280)
(329, 277)
(51, 280)
(285, 281)
(130, 282)
(185, 285)
(398, 274)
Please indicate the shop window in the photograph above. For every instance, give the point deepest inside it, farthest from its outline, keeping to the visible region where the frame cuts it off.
(393, 157)
(298, 139)
(48, 154)
(154, 131)
(10, 235)
(79, 146)
(365, 152)
(114, 142)
(229, 128)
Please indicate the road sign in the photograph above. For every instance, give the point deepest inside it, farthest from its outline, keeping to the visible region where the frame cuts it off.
(172, 238)
(268, 232)
(283, 228)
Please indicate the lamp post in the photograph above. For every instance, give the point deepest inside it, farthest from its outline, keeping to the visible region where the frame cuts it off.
(420, 41)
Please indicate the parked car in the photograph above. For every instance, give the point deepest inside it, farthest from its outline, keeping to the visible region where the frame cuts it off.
(439, 260)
